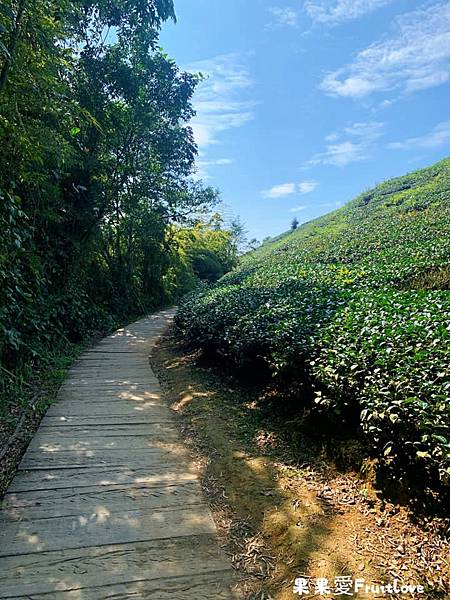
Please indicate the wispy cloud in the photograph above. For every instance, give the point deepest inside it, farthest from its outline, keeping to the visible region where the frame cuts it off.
(341, 154)
(203, 165)
(332, 12)
(439, 136)
(367, 130)
(287, 189)
(354, 144)
(298, 208)
(305, 187)
(280, 190)
(416, 57)
(283, 16)
(218, 100)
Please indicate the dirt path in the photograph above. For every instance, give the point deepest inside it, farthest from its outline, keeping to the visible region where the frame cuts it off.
(284, 506)
(106, 502)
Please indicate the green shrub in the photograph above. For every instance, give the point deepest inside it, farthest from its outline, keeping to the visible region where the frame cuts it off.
(355, 303)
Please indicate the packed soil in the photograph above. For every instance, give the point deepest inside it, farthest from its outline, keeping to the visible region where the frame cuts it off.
(283, 508)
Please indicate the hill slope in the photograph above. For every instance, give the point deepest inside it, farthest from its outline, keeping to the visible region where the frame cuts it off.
(354, 309)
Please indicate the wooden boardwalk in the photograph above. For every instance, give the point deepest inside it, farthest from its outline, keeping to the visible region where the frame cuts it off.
(106, 503)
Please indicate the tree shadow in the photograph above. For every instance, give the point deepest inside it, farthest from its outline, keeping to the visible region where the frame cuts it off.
(251, 478)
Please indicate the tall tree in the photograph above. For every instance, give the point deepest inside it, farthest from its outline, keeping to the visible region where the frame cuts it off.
(96, 157)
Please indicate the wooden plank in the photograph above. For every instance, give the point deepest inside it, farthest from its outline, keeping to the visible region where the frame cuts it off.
(50, 441)
(104, 421)
(126, 390)
(81, 568)
(39, 504)
(71, 430)
(139, 457)
(110, 385)
(126, 395)
(103, 409)
(119, 372)
(101, 528)
(133, 362)
(211, 586)
(52, 479)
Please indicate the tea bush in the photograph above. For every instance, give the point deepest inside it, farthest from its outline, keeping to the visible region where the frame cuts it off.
(356, 304)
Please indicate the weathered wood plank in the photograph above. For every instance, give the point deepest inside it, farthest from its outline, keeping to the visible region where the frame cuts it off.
(79, 432)
(52, 479)
(126, 396)
(139, 457)
(81, 568)
(100, 528)
(101, 409)
(130, 362)
(209, 586)
(104, 421)
(40, 504)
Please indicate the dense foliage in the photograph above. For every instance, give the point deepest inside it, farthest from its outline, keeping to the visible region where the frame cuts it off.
(96, 165)
(354, 309)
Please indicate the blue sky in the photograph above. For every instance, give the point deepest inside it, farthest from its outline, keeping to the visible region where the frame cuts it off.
(308, 103)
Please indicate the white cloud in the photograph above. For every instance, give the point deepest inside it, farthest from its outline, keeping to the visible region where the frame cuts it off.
(298, 208)
(366, 130)
(223, 161)
(283, 16)
(415, 58)
(337, 11)
(340, 154)
(332, 137)
(287, 189)
(305, 187)
(439, 136)
(354, 144)
(218, 100)
(216, 161)
(202, 166)
(278, 191)
(385, 104)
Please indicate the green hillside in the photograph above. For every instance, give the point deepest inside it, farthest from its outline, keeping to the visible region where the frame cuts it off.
(353, 309)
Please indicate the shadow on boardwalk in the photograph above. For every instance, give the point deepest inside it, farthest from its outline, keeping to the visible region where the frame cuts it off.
(106, 502)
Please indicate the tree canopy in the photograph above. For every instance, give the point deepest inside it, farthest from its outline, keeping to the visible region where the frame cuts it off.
(96, 172)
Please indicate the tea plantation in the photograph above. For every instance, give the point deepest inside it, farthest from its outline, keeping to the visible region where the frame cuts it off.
(353, 310)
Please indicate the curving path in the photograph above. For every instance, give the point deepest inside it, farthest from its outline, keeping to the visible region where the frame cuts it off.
(106, 503)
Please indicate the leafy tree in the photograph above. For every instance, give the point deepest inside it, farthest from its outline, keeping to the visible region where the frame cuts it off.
(209, 246)
(239, 234)
(253, 244)
(96, 158)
